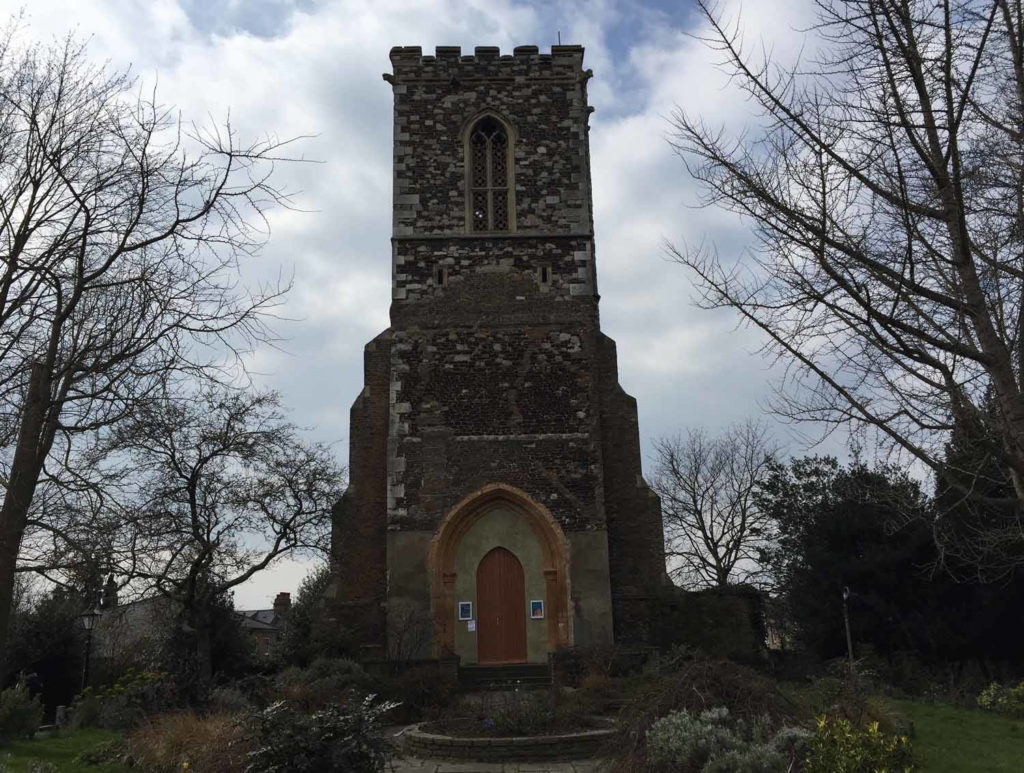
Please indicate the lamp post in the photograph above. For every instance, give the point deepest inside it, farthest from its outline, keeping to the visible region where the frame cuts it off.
(89, 618)
(846, 620)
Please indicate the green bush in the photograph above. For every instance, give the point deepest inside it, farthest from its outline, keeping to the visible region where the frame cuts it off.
(336, 739)
(324, 682)
(755, 758)
(20, 714)
(1003, 700)
(793, 743)
(839, 747)
(424, 687)
(309, 633)
(695, 684)
(687, 741)
(713, 741)
(134, 696)
(536, 713)
(229, 700)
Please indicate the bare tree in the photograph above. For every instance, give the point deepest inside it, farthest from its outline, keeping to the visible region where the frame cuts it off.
(223, 486)
(713, 527)
(120, 232)
(885, 187)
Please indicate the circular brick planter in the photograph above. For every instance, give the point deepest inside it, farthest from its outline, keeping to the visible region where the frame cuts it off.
(581, 745)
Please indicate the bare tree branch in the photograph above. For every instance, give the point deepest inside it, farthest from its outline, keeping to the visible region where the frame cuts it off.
(885, 191)
(121, 233)
(713, 526)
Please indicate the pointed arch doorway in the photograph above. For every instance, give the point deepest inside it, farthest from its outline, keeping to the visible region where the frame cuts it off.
(501, 609)
(544, 560)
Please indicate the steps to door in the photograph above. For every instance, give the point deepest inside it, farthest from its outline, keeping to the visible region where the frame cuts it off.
(508, 677)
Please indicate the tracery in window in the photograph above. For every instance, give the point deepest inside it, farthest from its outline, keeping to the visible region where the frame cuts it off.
(488, 176)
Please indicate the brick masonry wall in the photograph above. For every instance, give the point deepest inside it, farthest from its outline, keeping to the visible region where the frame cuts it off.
(542, 95)
(570, 260)
(491, 367)
(494, 370)
(514, 405)
(636, 544)
(358, 588)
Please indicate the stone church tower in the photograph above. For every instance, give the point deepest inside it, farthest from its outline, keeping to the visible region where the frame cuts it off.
(496, 509)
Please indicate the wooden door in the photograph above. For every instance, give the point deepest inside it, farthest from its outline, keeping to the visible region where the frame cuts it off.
(501, 609)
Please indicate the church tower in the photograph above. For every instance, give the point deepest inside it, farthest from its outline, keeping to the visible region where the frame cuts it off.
(496, 509)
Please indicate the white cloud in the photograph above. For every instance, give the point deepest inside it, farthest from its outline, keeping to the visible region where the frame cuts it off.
(284, 575)
(315, 67)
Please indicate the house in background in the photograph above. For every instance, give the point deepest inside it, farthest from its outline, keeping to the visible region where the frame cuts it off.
(266, 626)
(132, 634)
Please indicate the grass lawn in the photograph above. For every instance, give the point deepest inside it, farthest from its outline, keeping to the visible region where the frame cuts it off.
(60, 751)
(951, 740)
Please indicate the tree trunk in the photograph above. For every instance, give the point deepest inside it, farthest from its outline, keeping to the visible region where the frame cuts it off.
(28, 459)
(202, 654)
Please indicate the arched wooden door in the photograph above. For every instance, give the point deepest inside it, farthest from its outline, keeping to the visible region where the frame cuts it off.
(501, 609)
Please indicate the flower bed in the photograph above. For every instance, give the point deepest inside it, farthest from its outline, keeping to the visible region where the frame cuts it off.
(501, 727)
(418, 740)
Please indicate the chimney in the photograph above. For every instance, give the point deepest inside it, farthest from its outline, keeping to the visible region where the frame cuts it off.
(282, 604)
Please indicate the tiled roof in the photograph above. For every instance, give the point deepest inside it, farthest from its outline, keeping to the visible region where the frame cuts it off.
(259, 619)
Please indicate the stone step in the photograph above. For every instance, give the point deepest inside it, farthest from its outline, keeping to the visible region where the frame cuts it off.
(527, 675)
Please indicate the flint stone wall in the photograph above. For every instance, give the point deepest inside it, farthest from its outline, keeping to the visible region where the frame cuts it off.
(494, 369)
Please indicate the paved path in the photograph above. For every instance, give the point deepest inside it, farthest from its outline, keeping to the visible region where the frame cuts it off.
(412, 765)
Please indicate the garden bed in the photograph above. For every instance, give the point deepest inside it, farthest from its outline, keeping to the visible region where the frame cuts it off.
(426, 741)
(473, 727)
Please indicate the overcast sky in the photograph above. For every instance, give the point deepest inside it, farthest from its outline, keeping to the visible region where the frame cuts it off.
(314, 67)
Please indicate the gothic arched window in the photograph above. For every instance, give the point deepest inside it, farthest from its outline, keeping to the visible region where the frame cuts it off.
(489, 200)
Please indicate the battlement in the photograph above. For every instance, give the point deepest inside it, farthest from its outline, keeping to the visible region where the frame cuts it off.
(410, 63)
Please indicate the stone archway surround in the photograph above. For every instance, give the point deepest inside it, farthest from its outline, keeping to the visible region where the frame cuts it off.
(445, 543)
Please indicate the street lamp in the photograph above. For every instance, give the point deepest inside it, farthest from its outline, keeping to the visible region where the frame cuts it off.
(846, 621)
(89, 618)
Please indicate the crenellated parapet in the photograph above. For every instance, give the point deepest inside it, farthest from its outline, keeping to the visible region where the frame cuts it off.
(447, 62)
(463, 238)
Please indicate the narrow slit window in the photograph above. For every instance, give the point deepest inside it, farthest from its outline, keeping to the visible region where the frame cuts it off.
(544, 274)
(440, 276)
(488, 176)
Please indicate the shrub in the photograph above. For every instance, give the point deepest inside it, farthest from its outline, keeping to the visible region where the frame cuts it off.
(512, 713)
(852, 694)
(308, 633)
(698, 683)
(686, 741)
(326, 681)
(259, 690)
(793, 743)
(345, 739)
(600, 693)
(755, 758)
(131, 698)
(45, 641)
(1003, 700)
(20, 714)
(230, 700)
(838, 747)
(712, 741)
(165, 744)
(424, 687)
(572, 665)
(537, 713)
